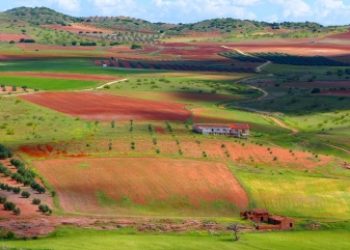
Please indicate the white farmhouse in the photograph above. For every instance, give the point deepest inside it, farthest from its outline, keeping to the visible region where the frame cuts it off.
(240, 130)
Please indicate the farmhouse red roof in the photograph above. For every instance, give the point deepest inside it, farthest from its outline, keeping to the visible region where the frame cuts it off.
(232, 126)
(240, 126)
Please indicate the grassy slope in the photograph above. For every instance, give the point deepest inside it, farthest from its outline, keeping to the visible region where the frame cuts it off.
(22, 123)
(91, 239)
(297, 194)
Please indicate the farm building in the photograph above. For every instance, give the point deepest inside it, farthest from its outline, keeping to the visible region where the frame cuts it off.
(256, 215)
(266, 221)
(240, 130)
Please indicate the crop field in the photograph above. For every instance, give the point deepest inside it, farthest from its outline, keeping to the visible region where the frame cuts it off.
(40, 83)
(122, 183)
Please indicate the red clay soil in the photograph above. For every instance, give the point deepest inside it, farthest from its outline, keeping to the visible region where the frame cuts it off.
(143, 181)
(86, 77)
(5, 37)
(308, 48)
(345, 36)
(106, 107)
(46, 151)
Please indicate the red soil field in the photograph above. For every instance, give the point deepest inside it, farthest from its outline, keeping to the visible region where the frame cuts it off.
(345, 35)
(5, 37)
(86, 77)
(105, 107)
(298, 47)
(141, 180)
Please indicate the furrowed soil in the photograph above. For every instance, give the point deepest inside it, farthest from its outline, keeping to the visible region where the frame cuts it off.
(95, 185)
(105, 107)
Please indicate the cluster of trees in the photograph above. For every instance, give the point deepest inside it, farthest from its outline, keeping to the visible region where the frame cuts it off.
(181, 65)
(281, 58)
(26, 176)
(242, 58)
(10, 206)
(8, 188)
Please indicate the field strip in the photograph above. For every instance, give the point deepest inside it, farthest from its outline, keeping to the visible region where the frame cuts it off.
(111, 83)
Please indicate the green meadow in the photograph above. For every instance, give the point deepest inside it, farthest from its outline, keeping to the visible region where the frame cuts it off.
(46, 83)
(70, 239)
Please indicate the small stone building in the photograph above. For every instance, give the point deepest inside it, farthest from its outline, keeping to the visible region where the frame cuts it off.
(265, 221)
(256, 215)
(283, 223)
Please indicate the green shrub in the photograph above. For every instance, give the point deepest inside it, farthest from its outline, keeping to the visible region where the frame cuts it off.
(25, 194)
(36, 201)
(9, 206)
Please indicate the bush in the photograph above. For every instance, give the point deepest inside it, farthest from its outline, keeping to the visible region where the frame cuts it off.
(36, 201)
(25, 194)
(136, 46)
(45, 209)
(16, 190)
(9, 206)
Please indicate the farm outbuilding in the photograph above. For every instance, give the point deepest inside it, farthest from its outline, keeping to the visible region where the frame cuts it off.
(256, 215)
(265, 221)
(240, 130)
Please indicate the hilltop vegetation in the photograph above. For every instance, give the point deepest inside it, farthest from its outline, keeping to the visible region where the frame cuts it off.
(50, 27)
(40, 16)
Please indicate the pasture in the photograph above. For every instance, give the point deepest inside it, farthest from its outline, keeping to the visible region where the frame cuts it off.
(67, 238)
(46, 83)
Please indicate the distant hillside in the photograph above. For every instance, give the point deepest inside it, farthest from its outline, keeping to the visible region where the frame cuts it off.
(40, 16)
(48, 26)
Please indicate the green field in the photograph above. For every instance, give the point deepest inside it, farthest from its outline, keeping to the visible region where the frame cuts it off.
(65, 239)
(47, 83)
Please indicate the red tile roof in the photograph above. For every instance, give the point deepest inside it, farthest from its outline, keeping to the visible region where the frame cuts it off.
(240, 126)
